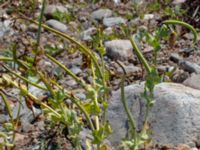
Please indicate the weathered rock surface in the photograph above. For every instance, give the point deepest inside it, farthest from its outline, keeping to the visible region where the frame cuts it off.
(57, 25)
(101, 13)
(112, 21)
(119, 49)
(190, 66)
(174, 119)
(193, 81)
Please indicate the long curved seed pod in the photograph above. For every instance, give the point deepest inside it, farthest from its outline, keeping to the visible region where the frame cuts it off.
(184, 24)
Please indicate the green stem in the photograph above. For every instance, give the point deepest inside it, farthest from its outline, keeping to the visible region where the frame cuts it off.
(24, 79)
(39, 29)
(37, 101)
(95, 96)
(82, 47)
(140, 56)
(6, 59)
(76, 101)
(130, 117)
(81, 82)
(7, 105)
(49, 88)
(177, 22)
(20, 62)
(40, 23)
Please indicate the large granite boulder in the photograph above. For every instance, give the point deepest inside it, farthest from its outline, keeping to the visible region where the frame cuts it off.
(174, 118)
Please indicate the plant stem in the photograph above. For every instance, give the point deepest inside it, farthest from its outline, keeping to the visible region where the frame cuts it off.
(75, 100)
(7, 106)
(177, 22)
(24, 79)
(95, 96)
(130, 117)
(6, 59)
(37, 101)
(82, 47)
(39, 30)
(40, 24)
(81, 82)
(140, 56)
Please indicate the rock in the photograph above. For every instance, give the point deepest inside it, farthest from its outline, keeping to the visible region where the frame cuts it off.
(148, 16)
(193, 81)
(183, 147)
(188, 36)
(71, 83)
(86, 35)
(175, 2)
(179, 76)
(5, 27)
(173, 119)
(36, 91)
(101, 13)
(134, 22)
(57, 25)
(117, 2)
(175, 57)
(112, 21)
(130, 69)
(190, 67)
(108, 31)
(76, 70)
(51, 9)
(33, 28)
(187, 51)
(119, 49)
(81, 96)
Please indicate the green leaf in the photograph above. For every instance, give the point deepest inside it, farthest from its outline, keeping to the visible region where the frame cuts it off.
(92, 108)
(8, 126)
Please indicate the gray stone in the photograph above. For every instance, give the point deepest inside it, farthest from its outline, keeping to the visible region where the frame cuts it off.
(5, 28)
(81, 96)
(101, 13)
(76, 70)
(193, 81)
(57, 25)
(190, 67)
(33, 28)
(51, 9)
(108, 31)
(174, 118)
(86, 35)
(134, 22)
(175, 57)
(112, 21)
(71, 83)
(119, 49)
(36, 91)
(130, 69)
